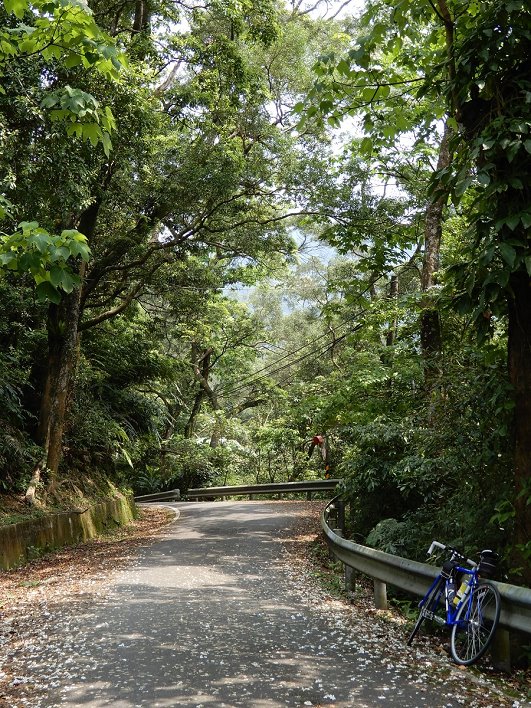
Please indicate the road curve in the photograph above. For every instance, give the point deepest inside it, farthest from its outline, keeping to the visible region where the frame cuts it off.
(208, 616)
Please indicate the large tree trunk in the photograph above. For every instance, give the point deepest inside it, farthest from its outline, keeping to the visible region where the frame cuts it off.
(430, 325)
(142, 16)
(519, 358)
(62, 338)
(196, 408)
(62, 360)
(63, 352)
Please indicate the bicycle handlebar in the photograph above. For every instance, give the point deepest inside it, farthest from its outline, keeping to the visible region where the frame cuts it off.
(454, 551)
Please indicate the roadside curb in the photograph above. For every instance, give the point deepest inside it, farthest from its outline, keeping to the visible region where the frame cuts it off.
(176, 512)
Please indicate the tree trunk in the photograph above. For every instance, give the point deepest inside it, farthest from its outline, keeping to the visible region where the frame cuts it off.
(430, 325)
(217, 432)
(393, 296)
(142, 16)
(62, 359)
(519, 357)
(196, 408)
(63, 352)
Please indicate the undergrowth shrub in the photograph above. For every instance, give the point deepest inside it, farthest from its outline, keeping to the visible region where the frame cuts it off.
(439, 469)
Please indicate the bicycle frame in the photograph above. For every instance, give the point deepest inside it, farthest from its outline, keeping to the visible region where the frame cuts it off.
(472, 610)
(451, 609)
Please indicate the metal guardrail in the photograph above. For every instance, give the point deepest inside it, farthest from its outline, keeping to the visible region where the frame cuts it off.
(308, 486)
(414, 577)
(172, 495)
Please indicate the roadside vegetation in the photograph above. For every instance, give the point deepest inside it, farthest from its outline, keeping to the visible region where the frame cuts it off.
(230, 228)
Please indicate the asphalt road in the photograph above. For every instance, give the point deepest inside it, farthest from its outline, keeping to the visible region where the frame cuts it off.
(208, 616)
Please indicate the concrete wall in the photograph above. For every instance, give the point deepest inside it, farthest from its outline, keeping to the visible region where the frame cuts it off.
(23, 541)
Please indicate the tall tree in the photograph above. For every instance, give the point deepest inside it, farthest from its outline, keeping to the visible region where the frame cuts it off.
(472, 61)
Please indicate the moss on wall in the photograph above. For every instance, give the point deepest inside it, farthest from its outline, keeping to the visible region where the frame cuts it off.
(20, 542)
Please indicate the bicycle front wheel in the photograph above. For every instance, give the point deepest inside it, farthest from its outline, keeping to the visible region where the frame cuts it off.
(476, 622)
(429, 608)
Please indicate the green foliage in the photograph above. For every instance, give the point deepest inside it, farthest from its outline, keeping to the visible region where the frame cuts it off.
(493, 157)
(441, 480)
(64, 33)
(33, 250)
(208, 188)
(389, 535)
(186, 464)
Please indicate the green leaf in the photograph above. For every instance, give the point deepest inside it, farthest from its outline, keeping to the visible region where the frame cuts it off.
(41, 240)
(527, 261)
(72, 60)
(80, 249)
(7, 258)
(50, 101)
(512, 149)
(508, 254)
(46, 291)
(60, 254)
(107, 144)
(344, 67)
(27, 226)
(513, 221)
(67, 281)
(56, 275)
(29, 261)
(452, 124)
(17, 7)
(92, 132)
(366, 146)
(75, 129)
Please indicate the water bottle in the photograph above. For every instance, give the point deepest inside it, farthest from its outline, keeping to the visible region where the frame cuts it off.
(463, 588)
(450, 590)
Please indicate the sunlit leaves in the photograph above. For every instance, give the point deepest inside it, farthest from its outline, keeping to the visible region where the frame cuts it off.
(17, 7)
(46, 257)
(65, 31)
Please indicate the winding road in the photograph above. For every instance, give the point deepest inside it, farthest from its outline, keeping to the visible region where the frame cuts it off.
(210, 615)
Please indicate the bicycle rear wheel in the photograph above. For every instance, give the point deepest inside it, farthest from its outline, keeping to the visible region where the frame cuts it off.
(429, 608)
(476, 622)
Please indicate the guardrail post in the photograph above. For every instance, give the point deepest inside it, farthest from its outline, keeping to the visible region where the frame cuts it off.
(501, 650)
(251, 497)
(338, 532)
(309, 496)
(380, 595)
(350, 579)
(341, 515)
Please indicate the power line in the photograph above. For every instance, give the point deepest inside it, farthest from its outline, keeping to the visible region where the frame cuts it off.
(319, 350)
(293, 352)
(272, 366)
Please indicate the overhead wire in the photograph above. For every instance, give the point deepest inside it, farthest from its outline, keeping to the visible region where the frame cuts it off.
(308, 344)
(294, 351)
(318, 351)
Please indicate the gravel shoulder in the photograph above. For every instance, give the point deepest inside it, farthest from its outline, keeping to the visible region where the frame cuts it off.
(83, 575)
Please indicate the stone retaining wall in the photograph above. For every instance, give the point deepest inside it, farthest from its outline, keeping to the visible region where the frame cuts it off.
(23, 541)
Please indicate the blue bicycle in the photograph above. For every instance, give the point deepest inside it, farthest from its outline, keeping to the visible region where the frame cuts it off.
(462, 598)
